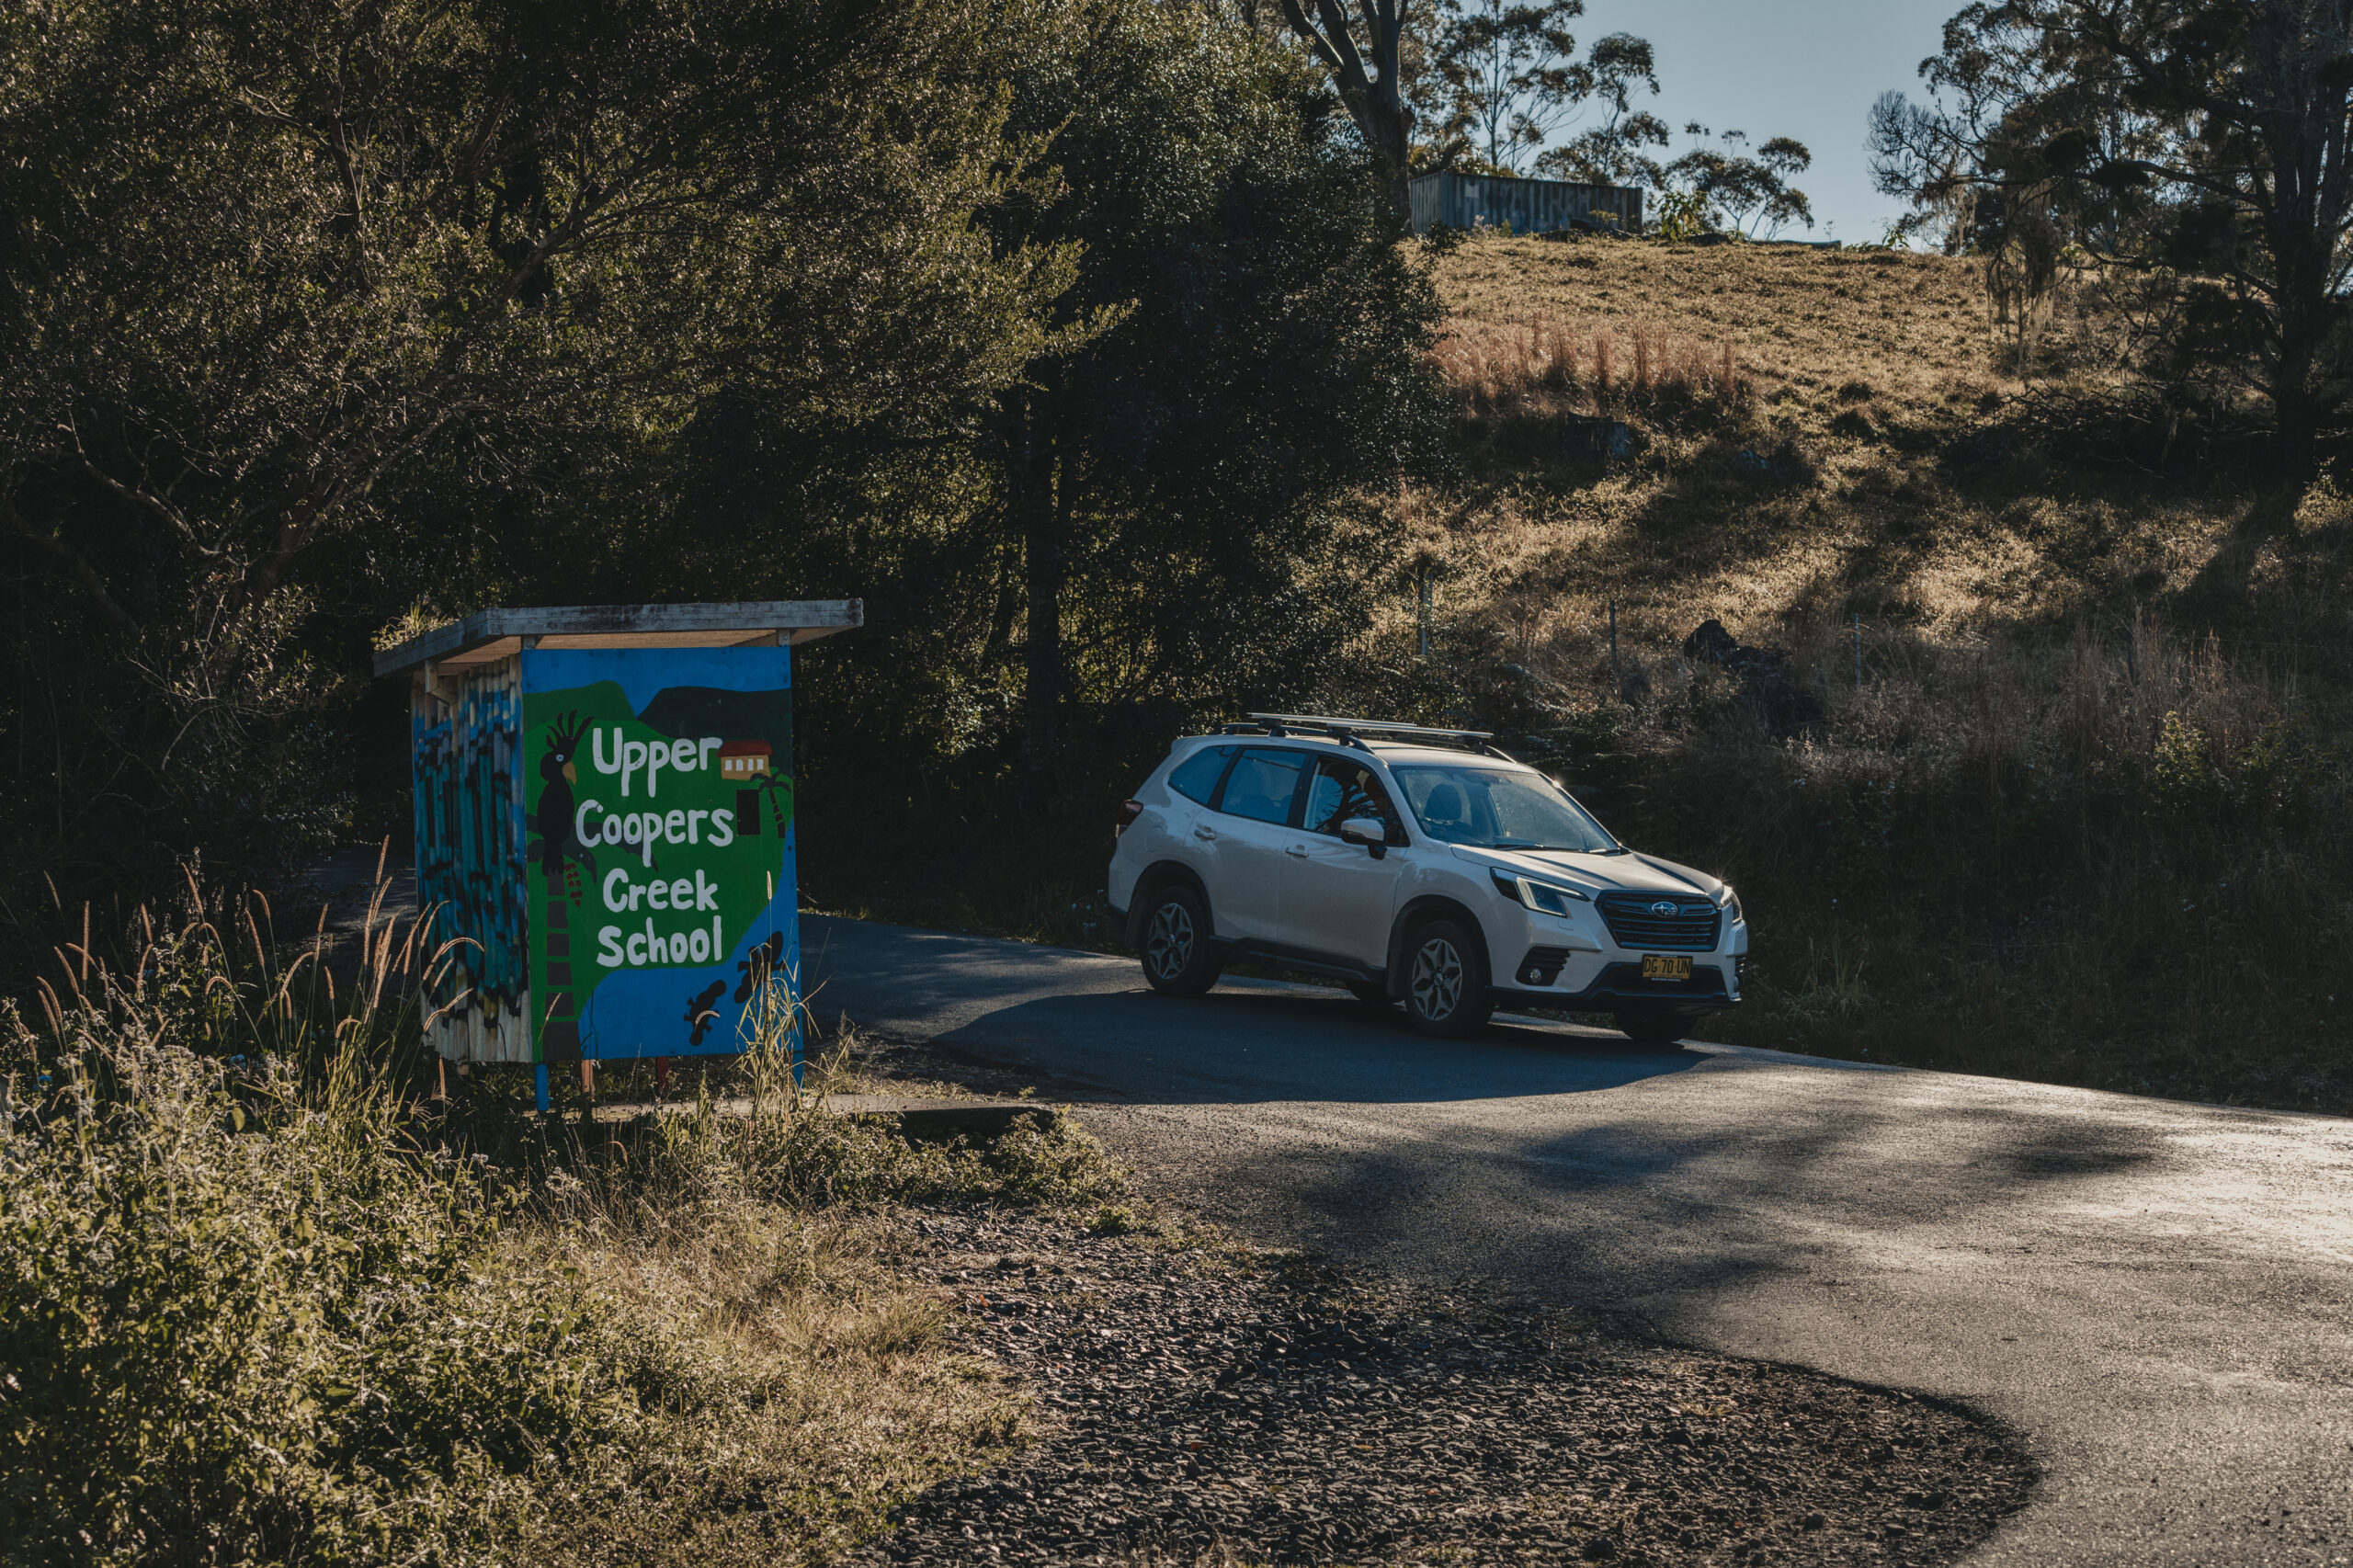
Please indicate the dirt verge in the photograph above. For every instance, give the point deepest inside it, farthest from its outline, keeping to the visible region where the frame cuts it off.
(1197, 1399)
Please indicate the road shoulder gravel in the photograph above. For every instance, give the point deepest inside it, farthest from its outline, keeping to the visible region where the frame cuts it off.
(1196, 1399)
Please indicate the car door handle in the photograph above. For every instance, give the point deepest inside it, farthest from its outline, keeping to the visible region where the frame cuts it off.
(1205, 833)
(1297, 850)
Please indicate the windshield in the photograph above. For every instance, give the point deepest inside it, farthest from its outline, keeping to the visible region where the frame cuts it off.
(1497, 807)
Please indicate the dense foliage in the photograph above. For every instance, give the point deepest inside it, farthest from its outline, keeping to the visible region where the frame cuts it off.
(1063, 333)
(282, 1345)
(2191, 155)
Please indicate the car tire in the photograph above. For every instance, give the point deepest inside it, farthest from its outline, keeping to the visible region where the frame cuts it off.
(1446, 980)
(1176, 947)
(1653, 1029)
(1371, 996)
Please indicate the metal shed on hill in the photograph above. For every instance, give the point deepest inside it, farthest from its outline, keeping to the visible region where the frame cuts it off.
(1527, 206)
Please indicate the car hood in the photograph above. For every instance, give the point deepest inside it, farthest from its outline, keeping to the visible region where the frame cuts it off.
(1596, 873)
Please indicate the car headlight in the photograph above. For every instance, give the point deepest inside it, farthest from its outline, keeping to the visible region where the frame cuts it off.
(1545, 898)
(1731, 905)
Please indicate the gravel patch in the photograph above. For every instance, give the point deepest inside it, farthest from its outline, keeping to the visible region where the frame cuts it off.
(1196, 1399)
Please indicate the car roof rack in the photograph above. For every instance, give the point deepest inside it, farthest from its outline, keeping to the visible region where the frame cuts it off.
(1355, 731)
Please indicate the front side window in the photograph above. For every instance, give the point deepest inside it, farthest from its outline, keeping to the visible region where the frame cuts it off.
(1497, 808)
(1263, 783)
(1196, 778)
(1344, 790)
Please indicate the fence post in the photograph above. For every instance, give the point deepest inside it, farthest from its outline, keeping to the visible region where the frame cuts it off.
(1424, 586)
(1617, 682)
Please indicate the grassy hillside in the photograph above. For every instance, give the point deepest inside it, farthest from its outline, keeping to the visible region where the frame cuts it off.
(2084, 816)
(1912, 474)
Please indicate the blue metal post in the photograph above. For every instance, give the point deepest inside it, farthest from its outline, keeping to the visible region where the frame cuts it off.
(539, 1075)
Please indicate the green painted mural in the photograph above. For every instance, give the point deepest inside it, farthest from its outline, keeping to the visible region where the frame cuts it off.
(662, 846)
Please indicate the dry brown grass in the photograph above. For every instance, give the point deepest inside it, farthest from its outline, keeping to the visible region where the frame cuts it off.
(841, 1393)
(1859, 378)
(1553, 365)
(1910, 329)
(1853, 371)
(2084, 819)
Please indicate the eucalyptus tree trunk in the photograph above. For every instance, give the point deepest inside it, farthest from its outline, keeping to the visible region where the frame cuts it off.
(1371, 81)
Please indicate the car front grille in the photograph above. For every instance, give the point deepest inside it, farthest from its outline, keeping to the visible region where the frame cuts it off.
(1636, 923)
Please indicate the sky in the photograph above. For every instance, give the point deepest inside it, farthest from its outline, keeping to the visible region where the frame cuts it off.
(1802, 68)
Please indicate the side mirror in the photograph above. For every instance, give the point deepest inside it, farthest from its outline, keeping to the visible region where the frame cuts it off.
(1371, 832)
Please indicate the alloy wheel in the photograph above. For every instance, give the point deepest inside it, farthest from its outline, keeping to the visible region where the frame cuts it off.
(1437, 979)
(1168, 946)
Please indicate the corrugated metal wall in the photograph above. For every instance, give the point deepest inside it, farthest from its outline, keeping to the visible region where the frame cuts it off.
(1527, 206)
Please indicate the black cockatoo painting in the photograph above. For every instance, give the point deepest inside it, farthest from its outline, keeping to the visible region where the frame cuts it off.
(553, 819)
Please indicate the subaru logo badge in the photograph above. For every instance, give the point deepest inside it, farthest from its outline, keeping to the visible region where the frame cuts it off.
(1664, 910)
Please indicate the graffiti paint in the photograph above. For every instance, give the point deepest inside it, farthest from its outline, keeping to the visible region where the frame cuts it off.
(469, 816)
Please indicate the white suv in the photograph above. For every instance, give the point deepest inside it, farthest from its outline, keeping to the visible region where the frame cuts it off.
(1281, 841)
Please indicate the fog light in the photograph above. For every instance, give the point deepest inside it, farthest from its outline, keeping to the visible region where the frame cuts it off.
(1542, 966)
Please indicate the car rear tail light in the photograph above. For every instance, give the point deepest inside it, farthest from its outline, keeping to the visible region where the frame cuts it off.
(1128, 812)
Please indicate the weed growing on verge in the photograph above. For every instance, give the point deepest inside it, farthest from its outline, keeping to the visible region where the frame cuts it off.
(259, 1304)
(244, 1322)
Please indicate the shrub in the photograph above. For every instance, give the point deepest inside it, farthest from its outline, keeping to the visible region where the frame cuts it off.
(248, 1313)
(1546, 366)
(234, 1333)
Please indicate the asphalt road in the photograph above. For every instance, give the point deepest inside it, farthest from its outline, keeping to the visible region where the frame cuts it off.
(2157, 1297)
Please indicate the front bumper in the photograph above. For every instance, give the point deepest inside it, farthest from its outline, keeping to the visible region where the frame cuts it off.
(1618, 985)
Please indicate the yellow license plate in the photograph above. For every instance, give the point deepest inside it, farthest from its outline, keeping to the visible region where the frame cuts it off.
(1666, 966)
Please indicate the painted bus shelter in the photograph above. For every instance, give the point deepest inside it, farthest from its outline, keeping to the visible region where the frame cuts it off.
(604, 826)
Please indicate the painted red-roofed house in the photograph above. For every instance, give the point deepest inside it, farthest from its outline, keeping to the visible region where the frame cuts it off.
(747, 765)
(745, 760)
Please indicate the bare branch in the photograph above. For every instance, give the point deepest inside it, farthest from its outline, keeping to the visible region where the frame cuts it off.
(75, 563)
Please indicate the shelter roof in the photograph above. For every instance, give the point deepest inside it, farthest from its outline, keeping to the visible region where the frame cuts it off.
(489, 635)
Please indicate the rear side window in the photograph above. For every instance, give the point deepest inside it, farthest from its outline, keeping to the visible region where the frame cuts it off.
(1263, 784)
(1196, 778)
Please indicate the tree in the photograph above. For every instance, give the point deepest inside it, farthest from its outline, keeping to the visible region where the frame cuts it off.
(1508, 76)
(1176, 488)
(2187, 138)
(1751, 194)
(1164, 517)
(1369, 75)
(1611, 153)
(286, 289)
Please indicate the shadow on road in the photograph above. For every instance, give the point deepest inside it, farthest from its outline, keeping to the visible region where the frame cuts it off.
(1088, 1022)
(1252, 1046)
(2151, 1288)
(1753, 1180)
